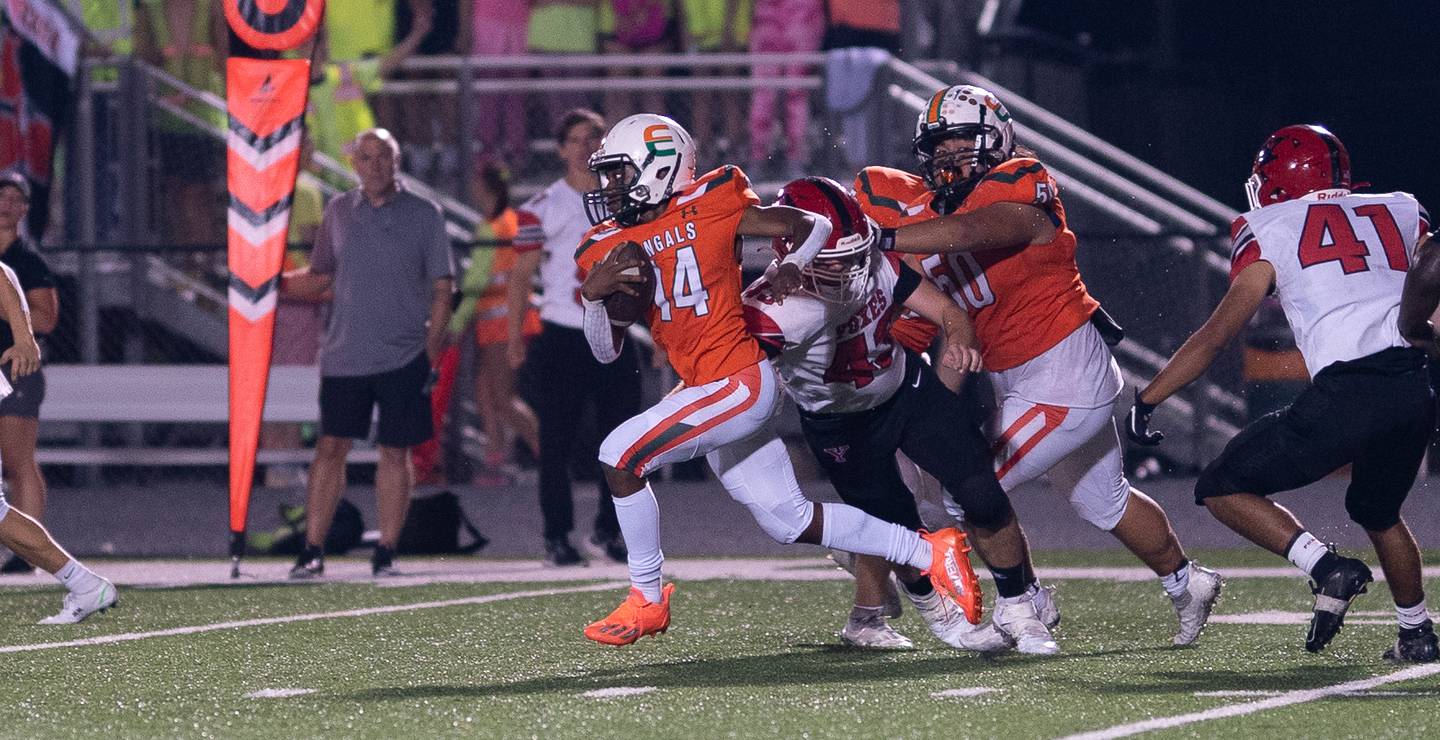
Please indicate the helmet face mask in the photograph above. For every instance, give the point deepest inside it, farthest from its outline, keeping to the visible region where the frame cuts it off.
(620, 196)
(643, 161)
(840, 273)
(962, 134)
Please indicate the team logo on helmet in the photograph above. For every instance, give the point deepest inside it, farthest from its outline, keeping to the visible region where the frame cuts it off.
(643, 161)
(968, 113)
(659, 141)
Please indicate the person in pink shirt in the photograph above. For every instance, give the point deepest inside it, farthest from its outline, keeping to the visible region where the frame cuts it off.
(498, 28)
(783, 26)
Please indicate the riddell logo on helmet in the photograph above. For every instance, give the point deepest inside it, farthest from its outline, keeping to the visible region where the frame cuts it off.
(659, 141)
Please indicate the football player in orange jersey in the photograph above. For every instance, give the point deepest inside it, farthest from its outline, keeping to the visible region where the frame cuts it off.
(992, 231)
(689, 228)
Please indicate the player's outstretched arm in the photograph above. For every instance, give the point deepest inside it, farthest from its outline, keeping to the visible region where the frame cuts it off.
(1195, 356)
(1421, 296)
(806, 230)
(961, 354)
(996, 226)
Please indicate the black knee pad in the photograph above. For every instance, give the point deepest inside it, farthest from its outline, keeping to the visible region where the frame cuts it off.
(1375, 512)
(983, 501)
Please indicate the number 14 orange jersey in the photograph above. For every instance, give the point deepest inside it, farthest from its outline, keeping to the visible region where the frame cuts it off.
(695, 316)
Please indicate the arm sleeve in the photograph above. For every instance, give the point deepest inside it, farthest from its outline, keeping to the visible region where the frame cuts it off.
(908, 281)
(598, 332)
(1244, 247)
(807, 249)
(531, 233)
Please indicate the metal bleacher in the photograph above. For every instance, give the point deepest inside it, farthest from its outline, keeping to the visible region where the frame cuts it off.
(1105, 189)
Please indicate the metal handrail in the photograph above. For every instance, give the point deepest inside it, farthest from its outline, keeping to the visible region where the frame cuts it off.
(468, 217)
(480, 63)
(590, 84)
(1177, 189)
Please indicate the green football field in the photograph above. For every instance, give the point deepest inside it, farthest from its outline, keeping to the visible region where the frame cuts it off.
(743, 658)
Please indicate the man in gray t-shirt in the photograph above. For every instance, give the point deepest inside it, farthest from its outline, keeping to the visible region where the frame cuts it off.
(383, 255)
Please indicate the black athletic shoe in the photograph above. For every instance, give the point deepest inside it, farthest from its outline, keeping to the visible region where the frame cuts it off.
(1416, 645)
(1333, 596)
(16, 565)
(310, 564)
(382, 562)
(610, 546)
(561, 554)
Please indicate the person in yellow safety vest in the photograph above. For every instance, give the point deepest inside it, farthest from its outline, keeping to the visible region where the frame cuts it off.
(338, 108)
(187, 39)
(110, 25)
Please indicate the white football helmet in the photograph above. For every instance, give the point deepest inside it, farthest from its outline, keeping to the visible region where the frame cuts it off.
(645, 159)
(968, 112)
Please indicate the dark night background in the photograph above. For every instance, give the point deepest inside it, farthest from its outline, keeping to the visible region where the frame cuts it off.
(1195, 87)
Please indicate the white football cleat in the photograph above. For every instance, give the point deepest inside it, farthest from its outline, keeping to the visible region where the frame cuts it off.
(948, 624)
(1193, 607)
(1019, 620)
(873, 633)
(1046, 607)
(77, 607)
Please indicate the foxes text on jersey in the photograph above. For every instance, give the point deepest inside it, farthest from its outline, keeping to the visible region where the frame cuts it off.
(1340, 261)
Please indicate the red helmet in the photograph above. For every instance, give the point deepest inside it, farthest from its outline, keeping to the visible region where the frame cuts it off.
(1294, 161)
(841, 268)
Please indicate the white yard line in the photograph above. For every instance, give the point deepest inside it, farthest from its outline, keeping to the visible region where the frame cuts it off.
(316, 617)
(427, 570)
(1286, 699)
(614, 692)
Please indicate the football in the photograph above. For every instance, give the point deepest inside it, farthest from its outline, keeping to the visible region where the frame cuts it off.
(625, 309)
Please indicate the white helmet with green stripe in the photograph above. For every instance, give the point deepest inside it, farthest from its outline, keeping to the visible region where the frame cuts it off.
(645, 159)
(962, 112)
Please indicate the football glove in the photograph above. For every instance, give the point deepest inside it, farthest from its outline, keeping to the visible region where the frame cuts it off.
(1137, 424)
(886, 240)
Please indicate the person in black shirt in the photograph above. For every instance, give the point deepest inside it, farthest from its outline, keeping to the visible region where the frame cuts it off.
(20, 411)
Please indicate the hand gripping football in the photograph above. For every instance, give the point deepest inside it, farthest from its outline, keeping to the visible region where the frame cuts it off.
(624, 309)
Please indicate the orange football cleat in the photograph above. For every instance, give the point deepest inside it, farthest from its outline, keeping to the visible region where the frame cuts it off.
(635, 618)
(951, 572)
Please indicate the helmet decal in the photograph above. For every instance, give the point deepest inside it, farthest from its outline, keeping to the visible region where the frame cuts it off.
(659, 141)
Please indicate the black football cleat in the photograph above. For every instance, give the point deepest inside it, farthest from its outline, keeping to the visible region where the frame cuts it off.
(382, 562)
(1415, 645)
(310, 564)
(1333, 596)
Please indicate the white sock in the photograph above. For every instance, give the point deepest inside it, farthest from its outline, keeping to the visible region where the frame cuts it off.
(639, 516)
(1306, 551)
(852, 530)
(77, 578)
(1176, 583)
(1412, 616)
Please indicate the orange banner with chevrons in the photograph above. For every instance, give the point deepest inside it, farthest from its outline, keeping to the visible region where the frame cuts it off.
(266, 102)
